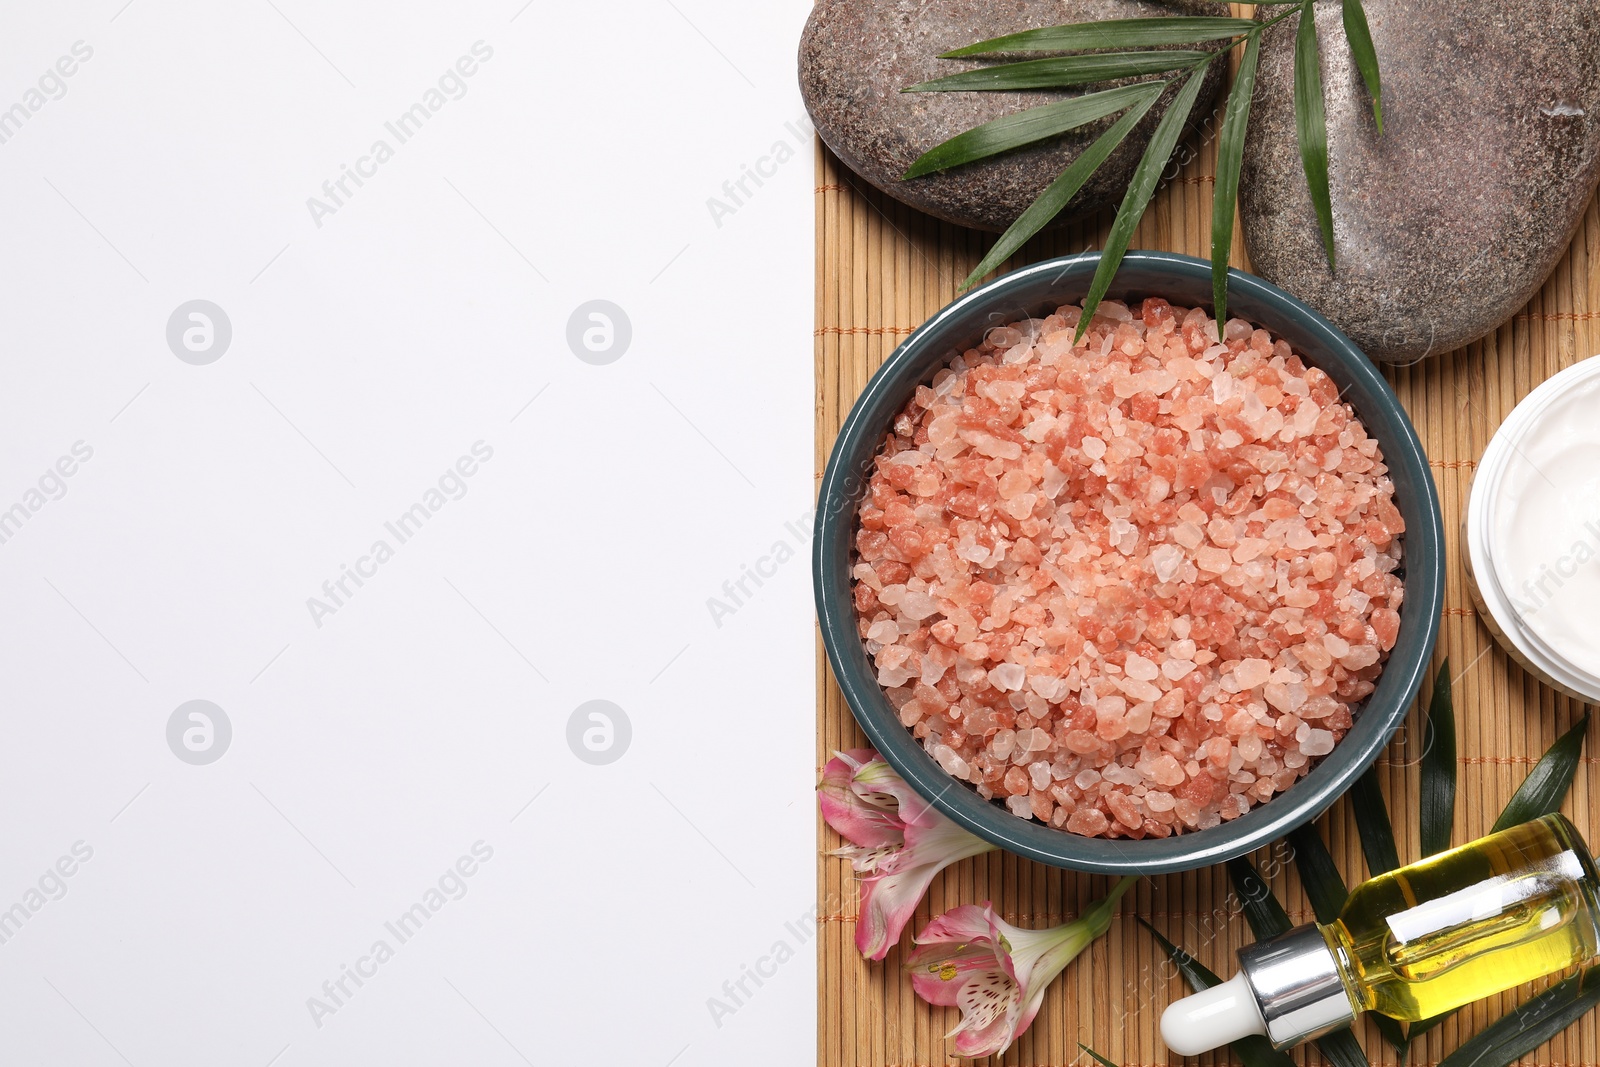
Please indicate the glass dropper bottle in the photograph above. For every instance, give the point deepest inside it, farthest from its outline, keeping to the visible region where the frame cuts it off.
(1412, 943)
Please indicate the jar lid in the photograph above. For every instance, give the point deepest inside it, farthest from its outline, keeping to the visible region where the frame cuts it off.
(1533, 530)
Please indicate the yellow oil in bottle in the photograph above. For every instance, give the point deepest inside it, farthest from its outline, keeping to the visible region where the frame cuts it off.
(1468, 923)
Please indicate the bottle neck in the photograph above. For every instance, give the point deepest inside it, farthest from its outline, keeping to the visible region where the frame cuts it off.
(1337, 937)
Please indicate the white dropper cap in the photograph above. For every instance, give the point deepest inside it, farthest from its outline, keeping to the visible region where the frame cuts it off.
(1212, 1017)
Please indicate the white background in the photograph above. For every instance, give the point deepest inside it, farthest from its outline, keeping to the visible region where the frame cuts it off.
(427, 313)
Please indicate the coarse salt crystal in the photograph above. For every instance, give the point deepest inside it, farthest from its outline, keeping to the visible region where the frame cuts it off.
(1039, 772)
(1176, 669)
(1317, 743)
(1139, 690)
(1165, 561)
(1008, 677)
(918, 606)
(1136, 666)
(1252, 672)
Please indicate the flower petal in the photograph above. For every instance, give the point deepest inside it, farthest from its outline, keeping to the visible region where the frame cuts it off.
(889, 898)
(939, 841)
(1027, 1010)
(988, 1003)
(939, 971)
(866, 802)
(858, 821)
(887, 904)
(857, 757)
(969, 922)
(868, 860)
(1032, 959)
(962, 941)
(1040, 955)
(877, 777)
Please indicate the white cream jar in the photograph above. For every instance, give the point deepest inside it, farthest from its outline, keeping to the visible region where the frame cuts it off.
(1531, 533)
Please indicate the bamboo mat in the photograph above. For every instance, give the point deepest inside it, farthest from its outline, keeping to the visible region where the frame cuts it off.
(882, 269)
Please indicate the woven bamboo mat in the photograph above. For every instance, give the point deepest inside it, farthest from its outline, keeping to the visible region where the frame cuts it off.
(882, 269)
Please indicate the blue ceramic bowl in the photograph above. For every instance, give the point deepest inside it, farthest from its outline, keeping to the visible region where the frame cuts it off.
(1034, 292)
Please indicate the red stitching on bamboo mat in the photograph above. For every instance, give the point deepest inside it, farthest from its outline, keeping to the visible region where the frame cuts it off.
(1060, 916)
(1495, 761)
(1502, 761)
(1557, 316)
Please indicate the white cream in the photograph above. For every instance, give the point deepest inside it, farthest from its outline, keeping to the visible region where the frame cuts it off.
(1533, 531)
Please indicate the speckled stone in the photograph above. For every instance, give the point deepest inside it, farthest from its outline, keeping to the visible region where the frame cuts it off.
(856, 56)
(1451, 220)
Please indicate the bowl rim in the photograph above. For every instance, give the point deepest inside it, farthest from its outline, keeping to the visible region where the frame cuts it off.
(1310, 795)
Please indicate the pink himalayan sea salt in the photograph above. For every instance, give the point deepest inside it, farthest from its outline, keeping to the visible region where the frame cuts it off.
(1132, 586)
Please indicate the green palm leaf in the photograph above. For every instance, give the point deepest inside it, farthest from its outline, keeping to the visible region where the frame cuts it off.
(1530, 1024)
(1145, 178)
(1318, 873)
(1366, 57)
(1417, 1029)
(1261, 908)
(1373, 825)
(1062, 71)
(1064, 188)
(1115, 33)
(1439, 766)
(1098, 1058)
(1230, 159)
(1311, 123)
(1026, 127)
(1546, 785)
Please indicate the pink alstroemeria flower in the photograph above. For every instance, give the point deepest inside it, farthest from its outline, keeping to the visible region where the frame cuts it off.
(996, 973)
(898, 842)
